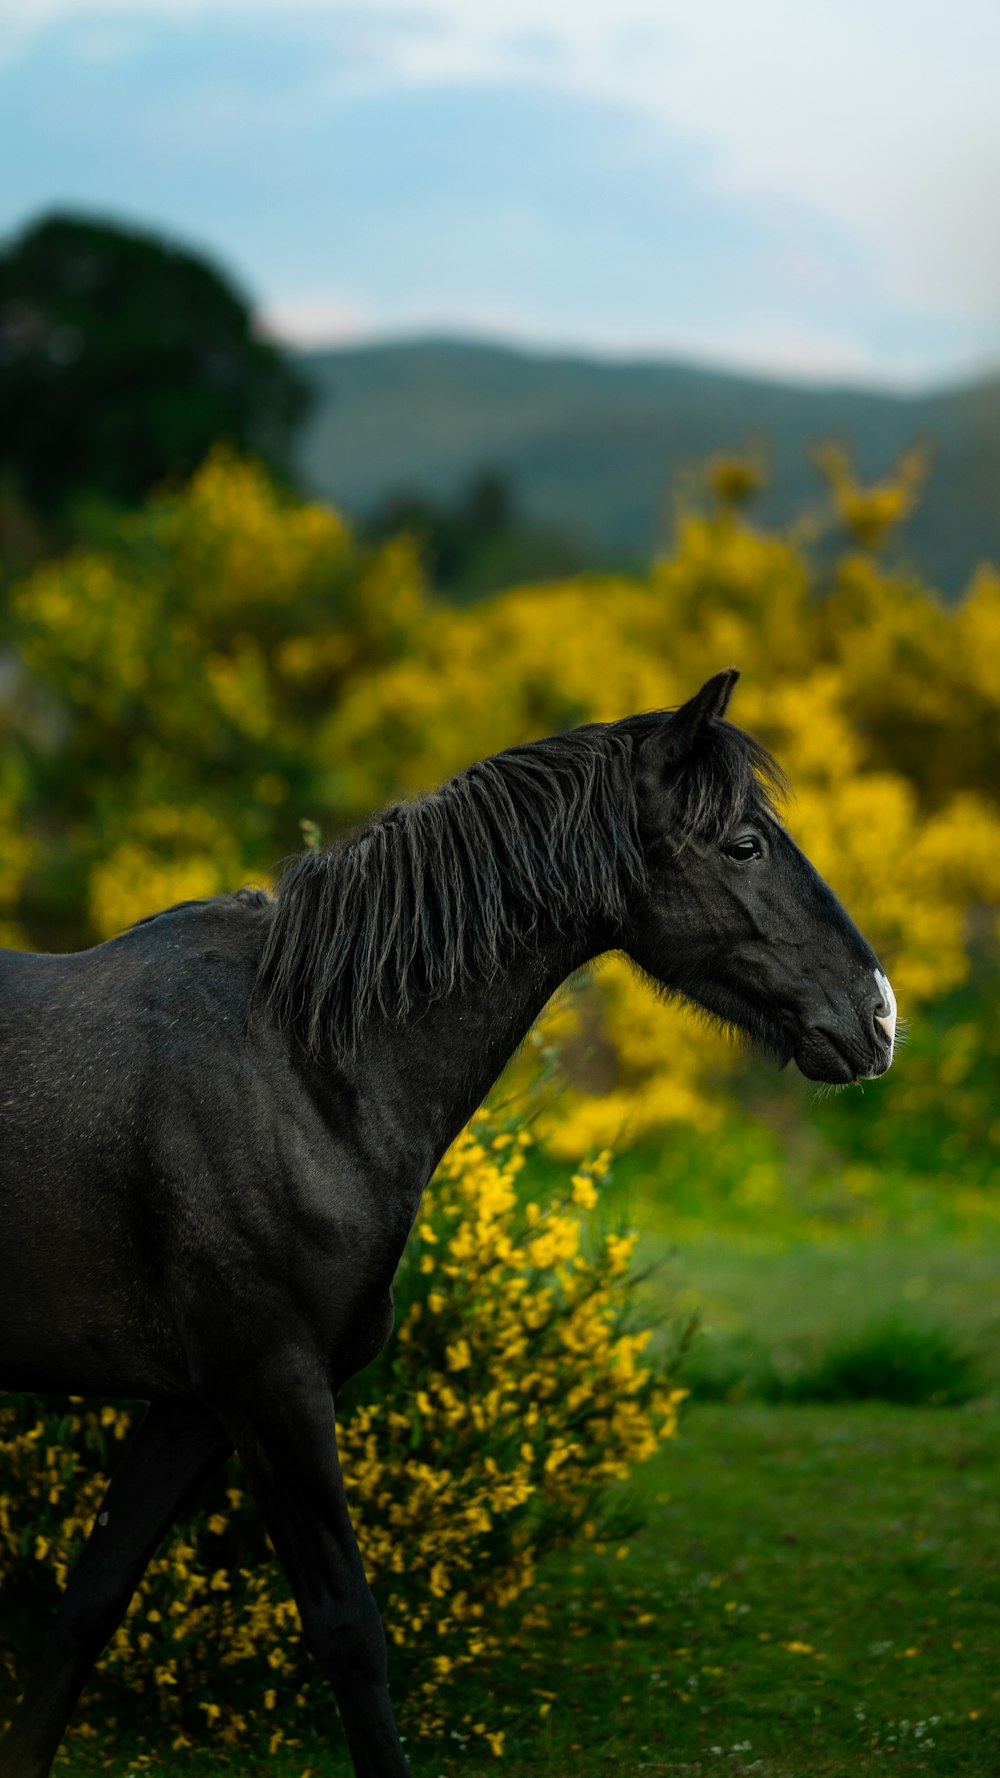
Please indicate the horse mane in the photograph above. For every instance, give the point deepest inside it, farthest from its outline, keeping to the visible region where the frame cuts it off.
(444, 889)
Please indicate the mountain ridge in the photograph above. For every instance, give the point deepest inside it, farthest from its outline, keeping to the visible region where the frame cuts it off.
(595, 447)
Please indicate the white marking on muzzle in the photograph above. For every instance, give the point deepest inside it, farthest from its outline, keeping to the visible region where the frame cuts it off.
(888, 1023)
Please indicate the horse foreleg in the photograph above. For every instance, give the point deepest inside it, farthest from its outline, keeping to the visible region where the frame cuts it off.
(174, 1448)
(283, 1428)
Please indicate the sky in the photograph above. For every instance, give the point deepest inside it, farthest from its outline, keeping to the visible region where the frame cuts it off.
(792, 187)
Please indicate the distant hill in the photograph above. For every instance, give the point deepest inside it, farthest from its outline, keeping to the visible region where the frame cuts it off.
(592, 447)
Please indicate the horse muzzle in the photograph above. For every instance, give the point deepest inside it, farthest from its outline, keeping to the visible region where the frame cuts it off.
(859, 1047)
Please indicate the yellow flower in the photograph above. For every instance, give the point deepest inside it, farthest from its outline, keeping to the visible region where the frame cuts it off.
(458, 1356)
(584, 1191)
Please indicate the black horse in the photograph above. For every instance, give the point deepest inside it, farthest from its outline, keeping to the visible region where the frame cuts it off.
(216, 1128)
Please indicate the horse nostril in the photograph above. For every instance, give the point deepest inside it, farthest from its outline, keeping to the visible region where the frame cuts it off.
(884, 1010)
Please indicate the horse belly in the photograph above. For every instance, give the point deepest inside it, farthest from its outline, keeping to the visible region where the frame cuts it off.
(75, 1317)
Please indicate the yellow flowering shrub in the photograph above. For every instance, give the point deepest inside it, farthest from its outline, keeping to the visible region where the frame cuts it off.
(871, 514)
(237, 662)
(517, 1387)
(175, 681)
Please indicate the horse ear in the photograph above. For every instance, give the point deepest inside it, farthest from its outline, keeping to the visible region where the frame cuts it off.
(708, 705)
(672, 741)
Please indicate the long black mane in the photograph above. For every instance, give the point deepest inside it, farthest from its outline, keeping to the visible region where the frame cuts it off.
(444, 889)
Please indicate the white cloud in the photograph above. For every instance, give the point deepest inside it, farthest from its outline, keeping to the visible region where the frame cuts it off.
(320, 319)
(882, 118)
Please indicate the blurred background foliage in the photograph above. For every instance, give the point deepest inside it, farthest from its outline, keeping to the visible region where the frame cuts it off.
(232, 659)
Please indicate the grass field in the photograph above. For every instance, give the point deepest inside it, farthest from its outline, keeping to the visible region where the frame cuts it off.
(815, 1591)
(817, 1588)
(818, 1594)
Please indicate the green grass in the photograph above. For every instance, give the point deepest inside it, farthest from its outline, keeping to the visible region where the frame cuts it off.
(794, 1323)
(894, 1359)
(816, 1588)
(859, 1535)
(863, 1531)
(809, 1581)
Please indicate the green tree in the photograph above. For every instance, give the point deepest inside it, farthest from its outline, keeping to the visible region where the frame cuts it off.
(123, 358)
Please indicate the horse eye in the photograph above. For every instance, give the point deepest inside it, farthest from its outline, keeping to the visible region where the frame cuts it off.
(742, 850)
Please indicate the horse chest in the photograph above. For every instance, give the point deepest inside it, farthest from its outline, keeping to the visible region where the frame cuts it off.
(363, 1339)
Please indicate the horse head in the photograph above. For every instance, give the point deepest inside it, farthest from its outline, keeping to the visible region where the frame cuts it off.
(731, 913)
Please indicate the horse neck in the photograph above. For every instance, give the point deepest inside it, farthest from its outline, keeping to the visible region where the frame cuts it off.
(441, 1062)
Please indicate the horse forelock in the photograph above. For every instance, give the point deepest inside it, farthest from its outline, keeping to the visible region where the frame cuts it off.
(441, 890)
(722, 778)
